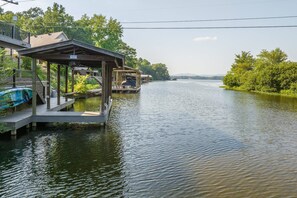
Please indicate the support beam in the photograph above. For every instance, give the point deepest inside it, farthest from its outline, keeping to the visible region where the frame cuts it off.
(48, 90)
(103, 96)
(14, 78)
(59, 85)
(13, 132)
(70, 57)
(109, 83)
(72, 79)
(66, 81)
(34, 93)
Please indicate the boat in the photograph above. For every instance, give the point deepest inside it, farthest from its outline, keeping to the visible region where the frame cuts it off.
(14, 97)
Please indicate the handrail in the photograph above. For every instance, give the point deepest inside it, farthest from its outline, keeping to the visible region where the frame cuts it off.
(14, 32)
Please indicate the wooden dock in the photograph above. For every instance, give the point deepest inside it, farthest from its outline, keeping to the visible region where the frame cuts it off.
(53, 115)
(126, 89)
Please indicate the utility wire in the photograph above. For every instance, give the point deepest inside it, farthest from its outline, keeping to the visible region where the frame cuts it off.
(213, 20)
(181, 28)
(11, 1)
(211, 27)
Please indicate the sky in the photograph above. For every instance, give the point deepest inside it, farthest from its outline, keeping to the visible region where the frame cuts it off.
(201, 52)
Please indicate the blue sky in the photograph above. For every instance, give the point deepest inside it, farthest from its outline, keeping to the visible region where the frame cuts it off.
(192, 51)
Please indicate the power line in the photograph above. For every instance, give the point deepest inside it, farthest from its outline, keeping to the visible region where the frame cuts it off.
(213, 20)
(181, 28)
(11, 1)
(211, 27)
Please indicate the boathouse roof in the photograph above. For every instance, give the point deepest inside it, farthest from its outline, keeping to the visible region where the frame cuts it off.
(74, 51)
(127, 69)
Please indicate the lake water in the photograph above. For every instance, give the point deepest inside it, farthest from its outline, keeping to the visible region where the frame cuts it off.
(175, 139)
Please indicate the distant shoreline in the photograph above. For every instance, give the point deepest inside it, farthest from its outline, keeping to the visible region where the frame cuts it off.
(259, 92)
(199, 77)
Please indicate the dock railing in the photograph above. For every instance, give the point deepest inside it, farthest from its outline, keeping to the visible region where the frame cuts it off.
(14, 32)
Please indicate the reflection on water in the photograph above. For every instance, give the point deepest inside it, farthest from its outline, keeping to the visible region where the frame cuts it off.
(175, 139)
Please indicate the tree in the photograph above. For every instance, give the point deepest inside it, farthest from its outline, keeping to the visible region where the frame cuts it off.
(130, 54)
(243, 63)
(269, 72)
(160, 72)
(56, 19)
(273, 57)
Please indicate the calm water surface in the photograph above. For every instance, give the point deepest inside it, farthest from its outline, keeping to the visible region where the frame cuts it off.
(174, 139)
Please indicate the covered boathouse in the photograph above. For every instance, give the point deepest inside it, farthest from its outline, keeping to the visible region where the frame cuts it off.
(69, 54)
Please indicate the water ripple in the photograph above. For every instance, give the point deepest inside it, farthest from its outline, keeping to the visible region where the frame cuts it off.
(174, 139)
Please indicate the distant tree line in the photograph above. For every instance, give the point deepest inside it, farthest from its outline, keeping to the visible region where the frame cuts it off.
(158, 71)
(200, 77)
(97, 30)
(270, 71)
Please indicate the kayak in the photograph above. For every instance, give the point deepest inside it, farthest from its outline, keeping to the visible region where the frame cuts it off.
(14, 97)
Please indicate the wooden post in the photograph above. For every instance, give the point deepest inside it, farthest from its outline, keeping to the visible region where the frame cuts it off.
(29, 37)
(13, 78)
(13, 132)
(19, 67)
(103, 95)
(72, 80)
(34, 93)
(58, 85)
(48, 95)
(138, 79)
(66, 82)
(109, 83)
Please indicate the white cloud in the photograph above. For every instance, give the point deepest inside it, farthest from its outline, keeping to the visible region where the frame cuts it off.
(205, 38)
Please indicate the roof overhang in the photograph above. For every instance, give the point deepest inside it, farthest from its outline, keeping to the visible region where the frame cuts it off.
(69, 51)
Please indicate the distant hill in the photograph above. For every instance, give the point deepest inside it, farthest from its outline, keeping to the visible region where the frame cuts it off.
(198, 77)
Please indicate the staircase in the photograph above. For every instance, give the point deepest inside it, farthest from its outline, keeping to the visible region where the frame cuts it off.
(98, 79)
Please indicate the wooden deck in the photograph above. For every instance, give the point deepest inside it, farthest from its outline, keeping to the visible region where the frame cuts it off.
(125, 90)
(23, 118)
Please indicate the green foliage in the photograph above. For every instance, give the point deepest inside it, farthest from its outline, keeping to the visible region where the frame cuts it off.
(98, 30)
(269, 72)
(84, 83)
(80, 84)
(231, 80)
(158, 71)
(244, 63)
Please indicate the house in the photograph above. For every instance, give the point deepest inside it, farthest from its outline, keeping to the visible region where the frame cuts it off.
(45, 39)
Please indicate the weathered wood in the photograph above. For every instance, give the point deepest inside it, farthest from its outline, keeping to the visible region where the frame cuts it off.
(70, 57)
(34, 93)
(109, 83)
(127, 71)
(48, 94)
(13, 78)
(72, 79)
(66, 80)
(24, 118)
(103, 97)
(59, 85)
(71, 45)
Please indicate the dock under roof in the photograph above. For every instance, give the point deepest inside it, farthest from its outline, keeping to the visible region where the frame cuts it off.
(69, 54)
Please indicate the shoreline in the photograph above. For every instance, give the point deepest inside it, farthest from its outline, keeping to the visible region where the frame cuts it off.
(258, 92)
